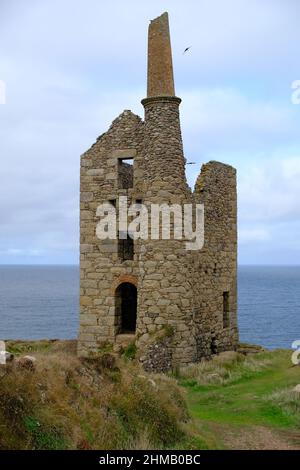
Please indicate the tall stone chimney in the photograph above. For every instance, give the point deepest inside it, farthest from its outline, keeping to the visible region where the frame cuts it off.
(164, 159)
(160, 68)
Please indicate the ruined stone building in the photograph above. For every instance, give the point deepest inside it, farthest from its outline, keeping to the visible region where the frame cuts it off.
(177, 305)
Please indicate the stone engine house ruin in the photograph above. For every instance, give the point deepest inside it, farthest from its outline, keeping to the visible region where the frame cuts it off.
(176, 305)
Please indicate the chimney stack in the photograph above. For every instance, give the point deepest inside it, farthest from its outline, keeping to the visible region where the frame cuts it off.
(160, 81)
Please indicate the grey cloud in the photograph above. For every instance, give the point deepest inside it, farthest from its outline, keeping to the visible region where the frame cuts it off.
(71, 67)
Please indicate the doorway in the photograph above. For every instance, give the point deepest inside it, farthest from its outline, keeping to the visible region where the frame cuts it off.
(126, 306)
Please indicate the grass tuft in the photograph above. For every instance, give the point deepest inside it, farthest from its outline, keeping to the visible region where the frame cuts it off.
(130, 351)
(224, 369)
(288, 401)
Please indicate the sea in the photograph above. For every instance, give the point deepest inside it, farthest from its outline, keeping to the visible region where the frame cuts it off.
(42, 302)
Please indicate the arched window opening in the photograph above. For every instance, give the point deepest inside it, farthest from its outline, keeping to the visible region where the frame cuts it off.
(126, 306)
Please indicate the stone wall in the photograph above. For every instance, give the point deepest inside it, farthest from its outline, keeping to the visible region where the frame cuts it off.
(180, 293)
(100, 266)
(125, 175)
(216, 264)
(165, 292)
(176, 288)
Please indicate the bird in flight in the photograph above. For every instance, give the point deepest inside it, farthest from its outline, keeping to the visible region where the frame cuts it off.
(186, 49)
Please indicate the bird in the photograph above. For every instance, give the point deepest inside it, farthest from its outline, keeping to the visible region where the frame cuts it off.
(186, 49)
(191, 163)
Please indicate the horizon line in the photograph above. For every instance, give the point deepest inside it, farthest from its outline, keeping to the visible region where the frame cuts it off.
(78, 265)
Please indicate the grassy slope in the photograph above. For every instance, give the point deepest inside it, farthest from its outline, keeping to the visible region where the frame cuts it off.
(103, 403)
(244, 402)
(235, 402)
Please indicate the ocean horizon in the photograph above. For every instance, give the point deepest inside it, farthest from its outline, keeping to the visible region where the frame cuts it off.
(42, 301)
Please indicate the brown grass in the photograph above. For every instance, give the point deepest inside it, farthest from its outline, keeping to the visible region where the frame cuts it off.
(225, 368)
(103, 403)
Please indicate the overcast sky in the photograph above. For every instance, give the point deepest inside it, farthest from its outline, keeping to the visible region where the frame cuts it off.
(72, 66)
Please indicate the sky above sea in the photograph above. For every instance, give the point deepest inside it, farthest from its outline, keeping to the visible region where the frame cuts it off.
(71, 67)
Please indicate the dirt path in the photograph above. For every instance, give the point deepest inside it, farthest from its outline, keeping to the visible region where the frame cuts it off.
(257, 438)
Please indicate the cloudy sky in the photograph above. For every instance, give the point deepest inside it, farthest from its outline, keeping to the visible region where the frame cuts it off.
(71, 66)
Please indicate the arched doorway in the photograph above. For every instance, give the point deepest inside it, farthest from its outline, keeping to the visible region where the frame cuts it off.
(126, 305)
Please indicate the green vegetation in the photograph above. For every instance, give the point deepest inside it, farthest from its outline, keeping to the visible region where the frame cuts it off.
(130, 351)
(43, 438)
(168, 331)
(105, 347)
(236, 394)
(28, 347)
(109, 402)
